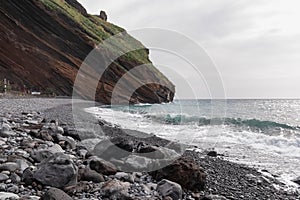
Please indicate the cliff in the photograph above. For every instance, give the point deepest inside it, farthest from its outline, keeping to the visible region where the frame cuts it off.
(44, 43)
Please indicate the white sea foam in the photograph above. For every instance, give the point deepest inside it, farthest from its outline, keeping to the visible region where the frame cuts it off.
(278, 153)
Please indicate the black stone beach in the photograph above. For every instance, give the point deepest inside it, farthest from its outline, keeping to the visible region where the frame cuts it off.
(44, 156)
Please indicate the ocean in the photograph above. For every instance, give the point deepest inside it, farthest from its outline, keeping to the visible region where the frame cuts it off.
(264, 134)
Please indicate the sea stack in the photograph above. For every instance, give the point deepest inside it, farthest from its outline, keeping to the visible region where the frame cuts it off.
(103, 15)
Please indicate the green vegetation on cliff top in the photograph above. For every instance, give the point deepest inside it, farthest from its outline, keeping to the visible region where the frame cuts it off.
(99, 30)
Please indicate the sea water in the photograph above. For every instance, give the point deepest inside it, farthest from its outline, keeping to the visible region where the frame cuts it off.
(261, 133)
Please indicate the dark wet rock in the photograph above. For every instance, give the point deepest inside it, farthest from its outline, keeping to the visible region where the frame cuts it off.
(102, 166)
(89, 175)
(55, 194)
(185, 172)
(168, 188)
(57, 171)
(27, 176)
(297, 180)
(103, 15)
(212, 153)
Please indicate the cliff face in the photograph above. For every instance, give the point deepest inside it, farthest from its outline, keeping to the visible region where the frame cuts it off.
(44, 42)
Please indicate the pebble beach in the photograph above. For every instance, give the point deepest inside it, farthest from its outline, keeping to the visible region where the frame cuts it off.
(45, 156)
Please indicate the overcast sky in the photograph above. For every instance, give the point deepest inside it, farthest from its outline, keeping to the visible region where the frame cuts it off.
(254, 44)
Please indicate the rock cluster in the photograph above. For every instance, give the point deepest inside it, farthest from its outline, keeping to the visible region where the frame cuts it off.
(41, 160)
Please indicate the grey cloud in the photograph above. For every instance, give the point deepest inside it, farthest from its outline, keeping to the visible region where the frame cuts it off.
(254, 47)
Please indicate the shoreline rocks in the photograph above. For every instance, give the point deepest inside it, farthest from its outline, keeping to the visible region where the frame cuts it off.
(57, 171)
(76, 173)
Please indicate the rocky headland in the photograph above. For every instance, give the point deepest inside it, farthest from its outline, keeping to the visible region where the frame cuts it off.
(44, 44)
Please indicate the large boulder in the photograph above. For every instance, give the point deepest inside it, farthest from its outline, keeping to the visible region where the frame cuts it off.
(183, 171)
(57, 171)
(168, 188)
(27, 176)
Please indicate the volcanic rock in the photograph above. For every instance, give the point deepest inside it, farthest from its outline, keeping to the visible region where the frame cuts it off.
(212, 154)
(54, 43)
(57, 171)
(185, 172)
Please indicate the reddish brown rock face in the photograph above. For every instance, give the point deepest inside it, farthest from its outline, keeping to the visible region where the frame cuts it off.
(185, 172)
(43, 48)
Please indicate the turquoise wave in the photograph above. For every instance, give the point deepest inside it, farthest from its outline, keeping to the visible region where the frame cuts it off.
(202, 121)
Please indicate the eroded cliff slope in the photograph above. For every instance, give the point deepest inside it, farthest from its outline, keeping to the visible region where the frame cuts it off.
(44, 42)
